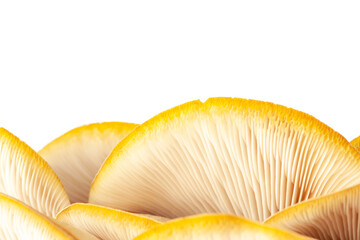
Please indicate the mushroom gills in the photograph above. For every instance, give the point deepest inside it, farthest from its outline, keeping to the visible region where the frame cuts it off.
(335, 216)
(243, 157)
(77, 155)
(26, 176)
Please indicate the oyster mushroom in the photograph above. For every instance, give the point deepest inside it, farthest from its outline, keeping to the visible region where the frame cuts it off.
(105, 223)
(18, 221)
(77, 155)
(27, 177)
(335, 216)
(243, 157)
(356, 143)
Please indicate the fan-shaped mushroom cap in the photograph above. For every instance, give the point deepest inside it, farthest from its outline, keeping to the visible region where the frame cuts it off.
(77, 155)
(105, 223)
(18, 221)
(356, 143)
(24, 175)
(335, 216)
(224, 227)
(236, 156)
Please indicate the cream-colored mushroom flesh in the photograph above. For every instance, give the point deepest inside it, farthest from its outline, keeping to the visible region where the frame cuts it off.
(18, 221)
(356, 143)
(24, 175)
(223, 227)
(227, 155)
(105, 223)
(77, 155)
(335, 216)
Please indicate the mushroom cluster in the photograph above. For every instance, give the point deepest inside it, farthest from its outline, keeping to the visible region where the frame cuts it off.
(226, 168)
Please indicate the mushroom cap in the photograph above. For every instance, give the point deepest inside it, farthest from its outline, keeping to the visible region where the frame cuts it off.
(236, 156)
(335, 216)
(18, 221)
(105, 223)
(216, 227)
(356, 143)
(24, 175)
(77, 155)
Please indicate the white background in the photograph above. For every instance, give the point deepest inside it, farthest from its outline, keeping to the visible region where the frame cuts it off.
(68, 63)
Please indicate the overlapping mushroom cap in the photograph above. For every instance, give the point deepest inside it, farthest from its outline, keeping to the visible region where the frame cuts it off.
(18, 221)
(24, 175)
(77, 155)
(106, 223)
(356, 143)
(235, 156)
(220, 226)
(335, 216)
